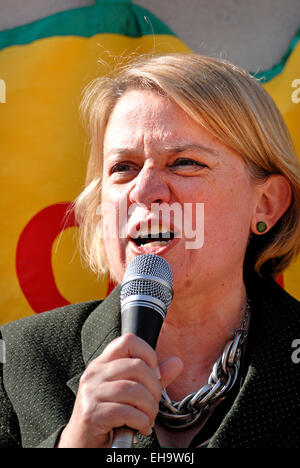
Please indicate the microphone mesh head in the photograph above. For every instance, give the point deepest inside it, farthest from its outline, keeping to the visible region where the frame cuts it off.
(148, 265)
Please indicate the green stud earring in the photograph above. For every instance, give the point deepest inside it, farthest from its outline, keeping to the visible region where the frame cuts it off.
(261, 227)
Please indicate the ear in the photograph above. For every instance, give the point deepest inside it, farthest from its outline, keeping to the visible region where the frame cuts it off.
(274, 198)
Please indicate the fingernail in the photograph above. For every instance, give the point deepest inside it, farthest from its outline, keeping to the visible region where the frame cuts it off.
(157, 371)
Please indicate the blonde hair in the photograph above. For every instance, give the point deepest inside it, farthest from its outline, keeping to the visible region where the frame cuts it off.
(228, 102)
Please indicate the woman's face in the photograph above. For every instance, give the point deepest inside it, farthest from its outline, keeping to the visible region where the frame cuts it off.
(156, 156)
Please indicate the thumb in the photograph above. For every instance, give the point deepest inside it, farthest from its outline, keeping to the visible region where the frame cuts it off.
(169, 370)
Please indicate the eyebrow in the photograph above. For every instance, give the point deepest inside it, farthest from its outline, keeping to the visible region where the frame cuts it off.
(190, 147)
(178, 149)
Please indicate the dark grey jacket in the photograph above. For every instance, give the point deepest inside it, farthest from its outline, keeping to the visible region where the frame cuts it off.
(47, 353)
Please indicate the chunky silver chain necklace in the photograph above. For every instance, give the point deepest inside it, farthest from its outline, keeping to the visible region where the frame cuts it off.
(187, 412)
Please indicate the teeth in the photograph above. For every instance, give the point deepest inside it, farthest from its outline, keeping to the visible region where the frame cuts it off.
(152, 237)
(157, 235)
(156, 243)
(161, 232)
(153, 243)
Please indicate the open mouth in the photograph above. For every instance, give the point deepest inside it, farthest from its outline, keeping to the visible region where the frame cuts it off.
(154, 239)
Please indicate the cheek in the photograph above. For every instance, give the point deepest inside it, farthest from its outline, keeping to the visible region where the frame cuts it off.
(116, 257)
(228, 216)
(112, 240)
(111, 206)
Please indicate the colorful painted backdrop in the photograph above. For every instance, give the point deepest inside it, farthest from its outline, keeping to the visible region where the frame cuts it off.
(43, 68)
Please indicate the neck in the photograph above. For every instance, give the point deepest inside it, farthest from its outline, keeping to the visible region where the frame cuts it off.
(196, 330)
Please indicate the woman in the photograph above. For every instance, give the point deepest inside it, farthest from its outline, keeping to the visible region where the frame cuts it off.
(181, 130)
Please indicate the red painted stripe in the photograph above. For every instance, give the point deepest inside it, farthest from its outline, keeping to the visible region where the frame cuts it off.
(33, 257)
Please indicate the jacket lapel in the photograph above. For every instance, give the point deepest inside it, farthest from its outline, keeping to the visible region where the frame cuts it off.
(101, 327)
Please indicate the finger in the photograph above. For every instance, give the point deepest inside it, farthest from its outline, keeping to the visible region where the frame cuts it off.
(130, 346)
(133, 369)
(169, 370)
(109, 415)
(130, 393)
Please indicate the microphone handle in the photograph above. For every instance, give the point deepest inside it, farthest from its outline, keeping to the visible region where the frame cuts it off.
(142, 320)
(146, 323)
(123, 438)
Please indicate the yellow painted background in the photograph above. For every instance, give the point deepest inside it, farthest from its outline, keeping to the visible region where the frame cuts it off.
(43, 148)
(281, 90)
(44, 151)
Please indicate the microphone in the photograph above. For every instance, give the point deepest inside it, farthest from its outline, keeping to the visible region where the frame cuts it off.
(146, 295)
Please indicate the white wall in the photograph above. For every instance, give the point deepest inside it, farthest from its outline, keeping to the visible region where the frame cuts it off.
(251, 33)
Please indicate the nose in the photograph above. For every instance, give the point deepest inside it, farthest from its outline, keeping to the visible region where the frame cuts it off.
(150, 187)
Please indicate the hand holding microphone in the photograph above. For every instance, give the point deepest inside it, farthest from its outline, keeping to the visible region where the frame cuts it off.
(121, 388)
(146, 294)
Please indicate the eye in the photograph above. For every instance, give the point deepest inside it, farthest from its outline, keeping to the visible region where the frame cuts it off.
(188, 164)
(121, 167)
(184, 162)
(123, 171)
